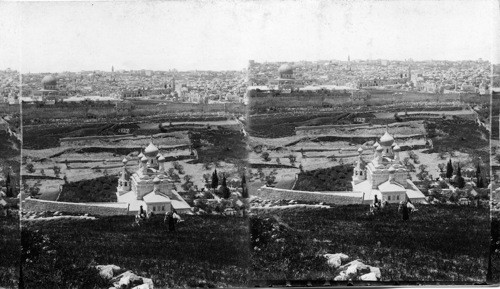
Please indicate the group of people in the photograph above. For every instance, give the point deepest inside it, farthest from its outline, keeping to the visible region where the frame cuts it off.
(405, 207)
(171, 218)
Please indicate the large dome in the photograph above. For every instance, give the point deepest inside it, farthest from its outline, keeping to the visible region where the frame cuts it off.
(285, 69)
(151, 150)
(386, 140)
(49, 80)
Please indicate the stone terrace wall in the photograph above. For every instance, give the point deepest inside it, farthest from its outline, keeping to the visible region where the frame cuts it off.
(326, 197)
(35, 205)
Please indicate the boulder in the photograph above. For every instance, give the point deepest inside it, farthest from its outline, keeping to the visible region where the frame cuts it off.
(355, 268)
(368, 277)
(108, 271)
(335, 260)
(376, 271)
(341, 277)
(127, 280)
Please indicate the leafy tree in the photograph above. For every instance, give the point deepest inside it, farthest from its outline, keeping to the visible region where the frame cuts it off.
(265, 156)
(30, 168)
(57, 170)
(449, 169)
(270, 180)
(292, 159)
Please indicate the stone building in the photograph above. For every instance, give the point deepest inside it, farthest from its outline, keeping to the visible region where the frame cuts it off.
(385, 176)
(149, 186)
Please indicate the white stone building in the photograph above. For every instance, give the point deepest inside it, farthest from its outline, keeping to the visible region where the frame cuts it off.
(149, 186)
(385, 176)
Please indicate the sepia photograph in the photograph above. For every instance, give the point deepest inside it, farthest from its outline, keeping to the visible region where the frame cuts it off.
(218, 144)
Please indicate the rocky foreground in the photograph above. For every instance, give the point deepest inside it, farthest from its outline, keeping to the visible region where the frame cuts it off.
(351, 271)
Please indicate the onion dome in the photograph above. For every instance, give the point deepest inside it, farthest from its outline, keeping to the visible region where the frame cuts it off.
(151, 150)
(140, 155)
(161, 158)
(144, 159)
(49, 80)
(397, 148)
(392, 170)
(386, 140)
(360, 150)
(156, 180)
(124, 161)
(379, 148)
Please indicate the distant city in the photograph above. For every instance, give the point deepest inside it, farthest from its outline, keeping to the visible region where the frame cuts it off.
(439, 77)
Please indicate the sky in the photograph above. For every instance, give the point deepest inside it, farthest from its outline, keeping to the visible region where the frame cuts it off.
(223, 35)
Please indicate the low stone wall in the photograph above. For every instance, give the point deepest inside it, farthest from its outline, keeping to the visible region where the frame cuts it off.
(36, 205)
(318, 197)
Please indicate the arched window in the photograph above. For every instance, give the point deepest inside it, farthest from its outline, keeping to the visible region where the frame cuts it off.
(389, 198)
(125, 184)
(360, 173)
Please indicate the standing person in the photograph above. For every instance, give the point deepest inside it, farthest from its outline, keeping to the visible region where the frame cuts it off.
(403, 208)
(168, 220)
(376, 202)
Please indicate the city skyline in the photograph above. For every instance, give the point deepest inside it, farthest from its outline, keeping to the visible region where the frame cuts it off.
(199, 35)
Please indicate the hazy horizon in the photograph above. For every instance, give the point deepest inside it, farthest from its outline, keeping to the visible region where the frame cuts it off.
(55, 37)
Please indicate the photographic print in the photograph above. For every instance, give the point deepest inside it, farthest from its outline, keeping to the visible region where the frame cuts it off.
(372, 164)
(214, 144)
(133, 163)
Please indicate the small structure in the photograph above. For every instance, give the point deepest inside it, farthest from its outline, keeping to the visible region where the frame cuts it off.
(149, 186)
(385, 176)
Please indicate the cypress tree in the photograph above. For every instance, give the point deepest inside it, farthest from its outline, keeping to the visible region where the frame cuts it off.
(460, 179)
(215, 180)
(226, 193)
(478, 176)
(244, 190)
(449, 169)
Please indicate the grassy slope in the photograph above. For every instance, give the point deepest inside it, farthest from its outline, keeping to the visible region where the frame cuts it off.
(210, 248)
(10, 251)
(439, 243)
(336, 178)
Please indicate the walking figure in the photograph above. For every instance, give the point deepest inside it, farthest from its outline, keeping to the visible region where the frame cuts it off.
(404, 210)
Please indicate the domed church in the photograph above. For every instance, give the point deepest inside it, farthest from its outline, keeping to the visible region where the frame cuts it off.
(385, 176)
(149, 186)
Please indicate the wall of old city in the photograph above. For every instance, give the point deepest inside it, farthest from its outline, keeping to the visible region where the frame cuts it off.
(36, 205)
(305, 196)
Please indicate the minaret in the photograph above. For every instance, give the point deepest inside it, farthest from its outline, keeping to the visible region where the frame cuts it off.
(144, 161)
(161, 161)
(140, 156)
(156, 185)
(396, 150)
(123, 182)
(392, 170)
(359, 169)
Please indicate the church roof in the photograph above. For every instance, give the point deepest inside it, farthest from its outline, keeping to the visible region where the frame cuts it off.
(155, 198)
(389, 186)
